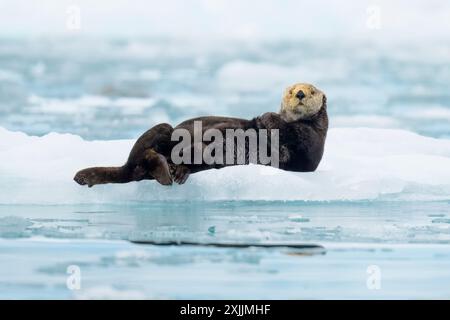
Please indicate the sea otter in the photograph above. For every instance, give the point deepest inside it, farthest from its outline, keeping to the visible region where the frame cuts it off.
(302, 125)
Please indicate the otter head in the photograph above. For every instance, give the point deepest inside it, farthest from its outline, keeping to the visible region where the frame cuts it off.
(302, 101)
(87, 177)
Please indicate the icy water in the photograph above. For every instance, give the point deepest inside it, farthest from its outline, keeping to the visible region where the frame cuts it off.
(380, 199)
(408, 242)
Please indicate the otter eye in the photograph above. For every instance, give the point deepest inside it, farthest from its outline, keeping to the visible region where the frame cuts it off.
(300, 95)
(313, 92)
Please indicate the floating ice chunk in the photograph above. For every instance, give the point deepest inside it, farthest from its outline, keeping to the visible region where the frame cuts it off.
(108, 293)
(358, 164)
(430, 113)
(259, 76)
(13, 227)
(85, 104)
(372, 121)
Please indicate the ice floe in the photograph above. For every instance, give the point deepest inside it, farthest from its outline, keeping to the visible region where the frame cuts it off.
(359, 164)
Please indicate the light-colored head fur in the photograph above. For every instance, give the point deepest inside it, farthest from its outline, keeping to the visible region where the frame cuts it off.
(301, 101)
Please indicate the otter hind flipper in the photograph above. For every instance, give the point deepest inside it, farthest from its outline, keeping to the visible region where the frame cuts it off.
(102, 175)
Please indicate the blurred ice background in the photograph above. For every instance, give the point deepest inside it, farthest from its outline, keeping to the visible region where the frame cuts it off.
(380, 197)
(130, 64)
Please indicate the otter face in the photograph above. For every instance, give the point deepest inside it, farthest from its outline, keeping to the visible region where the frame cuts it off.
(301, 101)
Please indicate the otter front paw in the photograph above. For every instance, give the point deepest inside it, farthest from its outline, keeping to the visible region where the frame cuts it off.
(180, 173)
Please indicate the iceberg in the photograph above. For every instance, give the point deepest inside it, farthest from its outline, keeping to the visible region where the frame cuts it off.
(358, 164)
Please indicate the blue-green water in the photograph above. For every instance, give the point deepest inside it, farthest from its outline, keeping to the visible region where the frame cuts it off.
(115, 89)
(380, 197)
(408, 242)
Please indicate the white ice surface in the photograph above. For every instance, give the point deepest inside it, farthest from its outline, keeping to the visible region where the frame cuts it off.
(359, 164)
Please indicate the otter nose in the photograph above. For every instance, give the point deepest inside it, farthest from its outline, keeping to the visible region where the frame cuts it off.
(300, 95)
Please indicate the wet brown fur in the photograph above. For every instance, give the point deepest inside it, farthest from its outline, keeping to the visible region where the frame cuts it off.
(302, 125)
